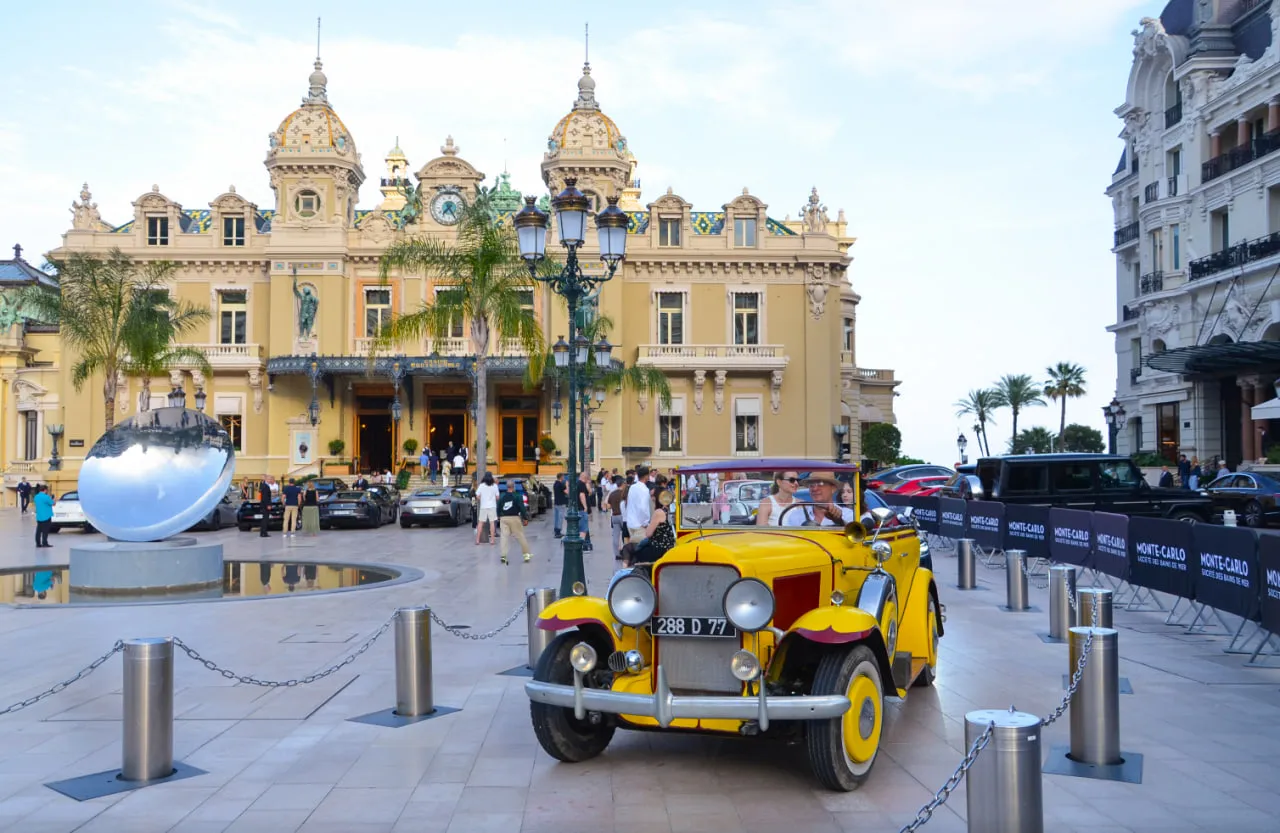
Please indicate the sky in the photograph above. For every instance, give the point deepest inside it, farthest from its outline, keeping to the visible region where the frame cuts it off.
(968, 143)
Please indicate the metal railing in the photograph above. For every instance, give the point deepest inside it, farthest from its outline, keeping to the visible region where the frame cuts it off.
(1225, 163)
(1173, 115)
(1237, 255)
(1152, 192)
(1134, 373)
(1172, 189)
(1126, 234)
(1151, 282)
(1128, 313)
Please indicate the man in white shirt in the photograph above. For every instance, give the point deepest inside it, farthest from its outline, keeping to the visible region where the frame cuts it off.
(821, 509)
(460, 468)
(487, 497)
(639, 504)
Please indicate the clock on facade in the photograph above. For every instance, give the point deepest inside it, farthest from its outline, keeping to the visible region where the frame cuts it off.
(446, 208)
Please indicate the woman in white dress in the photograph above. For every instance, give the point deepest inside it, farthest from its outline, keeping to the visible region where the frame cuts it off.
(771, 508)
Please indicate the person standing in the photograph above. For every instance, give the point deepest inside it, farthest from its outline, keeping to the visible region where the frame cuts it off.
(487, 500)
(616, 502)
(24, 494)
(446, 467)
(292, 506)
(264, 505)
(583, 497)
(559, 504)
(513, 517)
(311, 511)
(1184, 471)
(460, 467)
(44, 515)
(639, 504)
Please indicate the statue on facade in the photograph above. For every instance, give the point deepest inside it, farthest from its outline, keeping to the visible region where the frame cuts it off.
(84, 214)
(412, 209)
(10, 312)
(814, 214)
(308, 303)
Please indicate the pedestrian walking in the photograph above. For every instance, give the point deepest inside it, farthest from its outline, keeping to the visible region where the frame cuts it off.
(617, 520)
(311, 511)
(559, 504)
(44, 514)
(513, 517)
(292, 507)
(487, 498)
(24, 494)
(639, 505)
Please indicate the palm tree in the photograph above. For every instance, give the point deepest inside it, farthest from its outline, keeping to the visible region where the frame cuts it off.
(1016, 391)
(980, 404)
(1034, 440)
(152, 351)
(488, 287)
(100, 308)
(1066, 381)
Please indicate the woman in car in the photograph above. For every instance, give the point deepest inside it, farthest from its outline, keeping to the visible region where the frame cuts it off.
(771, 508)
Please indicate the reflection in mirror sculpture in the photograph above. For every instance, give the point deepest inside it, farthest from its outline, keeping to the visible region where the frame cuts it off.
(156, 474)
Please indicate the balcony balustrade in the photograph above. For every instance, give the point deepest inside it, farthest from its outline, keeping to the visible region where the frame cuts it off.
(713, 356)
(867, 374)
(1126, 234)
(1232, 256)
(1172, 187)
(1153, 282)
(1152, 192)
(1173, 115)
(1134, 373)
(1128, 313)
(1225, 163)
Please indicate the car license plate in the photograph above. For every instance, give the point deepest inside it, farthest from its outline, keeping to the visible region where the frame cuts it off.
(257, 517)
(693, 626)
(431, 504)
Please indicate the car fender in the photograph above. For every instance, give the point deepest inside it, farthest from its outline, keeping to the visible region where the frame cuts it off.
(912, 630)
(825, 628)
(577, 612)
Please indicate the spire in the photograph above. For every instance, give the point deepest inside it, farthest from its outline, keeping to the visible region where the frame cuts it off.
(317, 93)
(586, 84)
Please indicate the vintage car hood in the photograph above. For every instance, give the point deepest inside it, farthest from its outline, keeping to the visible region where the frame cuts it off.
(759, 552)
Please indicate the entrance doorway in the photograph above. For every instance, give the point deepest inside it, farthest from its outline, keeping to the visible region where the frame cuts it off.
(517, 434)
(373, 442)
(445, 429)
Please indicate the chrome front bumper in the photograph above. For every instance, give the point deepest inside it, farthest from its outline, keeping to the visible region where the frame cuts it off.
(665, 707)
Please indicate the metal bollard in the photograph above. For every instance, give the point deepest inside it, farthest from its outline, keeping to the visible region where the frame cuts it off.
(539, 599)
(413, 662)
(1016, 579)
(967, 564)
(148, 709)
(1095, 706)
(1062, 592)
(1005, 791)
(1090, 598)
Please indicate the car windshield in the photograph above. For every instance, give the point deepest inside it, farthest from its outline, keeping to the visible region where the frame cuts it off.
(349, 496)
(428, 493)
(70, 496)
(733, 498)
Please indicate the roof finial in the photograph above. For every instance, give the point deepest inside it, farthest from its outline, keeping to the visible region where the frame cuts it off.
(317, 39)
(316, 93)
(504, 155)
(586, 84)
(586, 44)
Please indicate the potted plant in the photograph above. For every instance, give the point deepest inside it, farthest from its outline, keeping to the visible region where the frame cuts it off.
(338, 465)
(410, 447)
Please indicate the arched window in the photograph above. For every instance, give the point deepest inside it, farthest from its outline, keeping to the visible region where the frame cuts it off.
(1157, 346)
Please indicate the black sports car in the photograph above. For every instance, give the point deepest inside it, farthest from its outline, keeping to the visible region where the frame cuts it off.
(368, 508)
(249, 515)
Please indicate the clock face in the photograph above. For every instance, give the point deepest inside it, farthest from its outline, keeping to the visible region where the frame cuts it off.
(446, 208)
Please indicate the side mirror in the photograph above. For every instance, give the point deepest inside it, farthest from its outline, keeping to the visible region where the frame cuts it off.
(882, 514)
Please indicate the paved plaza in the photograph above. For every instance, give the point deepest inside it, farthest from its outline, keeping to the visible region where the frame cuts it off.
(288, 759)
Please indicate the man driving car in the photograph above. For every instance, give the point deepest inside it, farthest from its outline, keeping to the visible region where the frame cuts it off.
(822, 510)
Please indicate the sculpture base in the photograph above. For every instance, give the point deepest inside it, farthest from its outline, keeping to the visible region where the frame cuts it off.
(182, 564)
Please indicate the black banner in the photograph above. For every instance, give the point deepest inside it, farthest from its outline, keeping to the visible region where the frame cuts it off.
(1110, 553)
(1071, 536)
(951, 517)
(1269, 569)
(985, 523)
(1227, 574)
(925, 511)
(1027, 528)
(1161, 556)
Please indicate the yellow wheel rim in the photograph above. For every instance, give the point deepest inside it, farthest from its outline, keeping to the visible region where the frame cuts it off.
(863, 721)
(933, 634)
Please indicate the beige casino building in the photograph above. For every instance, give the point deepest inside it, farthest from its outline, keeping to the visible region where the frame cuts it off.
(751, 318)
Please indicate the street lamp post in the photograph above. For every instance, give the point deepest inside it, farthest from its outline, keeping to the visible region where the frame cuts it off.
(571, 283)
(962, 443)
(177, 397)
(55, 433)
(201, 399)
(1115, 417)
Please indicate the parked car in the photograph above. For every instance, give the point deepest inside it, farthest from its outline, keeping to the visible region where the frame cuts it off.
(225, 513)
(917, 485)
(887, 478)
(825, 620)
(326, 486)
(1091, 482)
(390, 493)
(67, 513)
(249, 515)
(368, 508)
(435, 504)
(958, 484)
(1255, 498)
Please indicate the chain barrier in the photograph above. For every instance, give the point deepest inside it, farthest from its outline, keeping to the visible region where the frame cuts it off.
(1078, 673)
(79, 675)
(465, 634)
(311, 678)
(1034, 578)
(940, 797)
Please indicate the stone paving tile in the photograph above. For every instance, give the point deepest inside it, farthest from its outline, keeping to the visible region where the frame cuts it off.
(305, 767)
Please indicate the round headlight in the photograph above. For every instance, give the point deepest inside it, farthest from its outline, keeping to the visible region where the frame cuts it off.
(837, 598)
(748, 604)
(632, 600)
(635, 662)
(583, 657)
(579, 589)
(744, 666)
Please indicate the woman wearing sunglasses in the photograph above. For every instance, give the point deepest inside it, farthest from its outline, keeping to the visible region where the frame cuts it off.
(785, 484)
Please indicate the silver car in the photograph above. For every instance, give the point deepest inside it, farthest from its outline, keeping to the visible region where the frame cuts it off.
(435, 504)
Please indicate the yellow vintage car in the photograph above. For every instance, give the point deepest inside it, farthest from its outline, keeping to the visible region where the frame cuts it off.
(742, 628)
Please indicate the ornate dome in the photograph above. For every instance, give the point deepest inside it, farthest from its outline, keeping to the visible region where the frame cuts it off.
(586, 131)
(314, 128)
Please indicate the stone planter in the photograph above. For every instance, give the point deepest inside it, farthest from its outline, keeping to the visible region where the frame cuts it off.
(335, 468)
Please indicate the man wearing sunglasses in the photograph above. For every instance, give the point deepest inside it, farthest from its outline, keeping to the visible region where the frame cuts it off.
(821, 509)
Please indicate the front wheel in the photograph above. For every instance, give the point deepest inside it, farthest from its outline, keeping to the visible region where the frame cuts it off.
(842, 750)
(930, 671)
(1186, 517)
(560, 734)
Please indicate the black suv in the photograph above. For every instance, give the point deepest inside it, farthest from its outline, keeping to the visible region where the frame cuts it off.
(1092, 482)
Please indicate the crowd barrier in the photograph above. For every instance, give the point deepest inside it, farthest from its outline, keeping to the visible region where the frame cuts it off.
(1224, 569)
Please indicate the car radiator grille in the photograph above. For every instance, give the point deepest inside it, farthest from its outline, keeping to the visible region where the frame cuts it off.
(696, 664)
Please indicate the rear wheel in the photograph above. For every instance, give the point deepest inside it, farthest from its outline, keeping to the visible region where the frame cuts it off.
(1253, 515)
(1186, 517)
(842, 750)
(560, 734)
(405, 524)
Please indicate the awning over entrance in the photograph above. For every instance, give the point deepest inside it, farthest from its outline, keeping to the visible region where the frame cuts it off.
(388, 365)
(1218, 358)
(1267, 410)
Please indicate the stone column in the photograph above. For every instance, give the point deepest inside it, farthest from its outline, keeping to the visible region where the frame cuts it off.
(1261, 393)
(1273, 114)
(1242, 132)
(1215, 144)
(1247, 433)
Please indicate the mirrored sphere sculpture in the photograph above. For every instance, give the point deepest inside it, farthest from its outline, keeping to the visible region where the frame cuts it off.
(156, 474)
